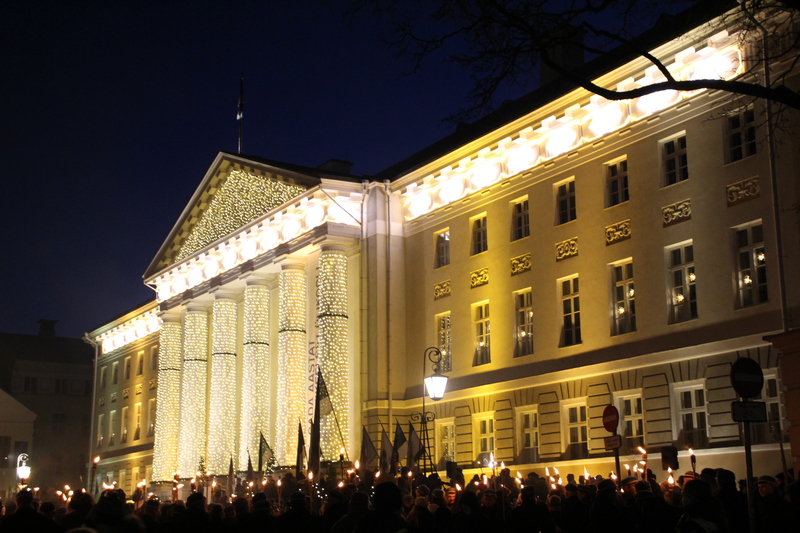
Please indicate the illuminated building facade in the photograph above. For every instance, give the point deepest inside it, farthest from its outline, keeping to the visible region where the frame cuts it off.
(564, 254)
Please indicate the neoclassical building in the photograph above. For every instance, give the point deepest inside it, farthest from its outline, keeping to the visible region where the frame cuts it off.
(564, 254)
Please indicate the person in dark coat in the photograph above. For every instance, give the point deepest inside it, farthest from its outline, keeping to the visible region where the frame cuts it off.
(298, 516)
(386, 518)
(608, 513)
(774, 513)
(357, 507)
(26, 519)
(530, 515)
(574, 512)
(702, 513)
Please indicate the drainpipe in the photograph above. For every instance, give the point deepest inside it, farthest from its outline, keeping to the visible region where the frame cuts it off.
(387, 193)
(96, 345)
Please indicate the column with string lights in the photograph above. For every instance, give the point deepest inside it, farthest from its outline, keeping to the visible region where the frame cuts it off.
(255, 402)
(222, 396)
(193, 389)
(292, 359)
(168, 400)
(333, 349)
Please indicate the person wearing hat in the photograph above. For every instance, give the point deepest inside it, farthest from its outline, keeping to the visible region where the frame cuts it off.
(774, 514)
(629, 485)
(733, 502)
(529, 515)
(574, 512)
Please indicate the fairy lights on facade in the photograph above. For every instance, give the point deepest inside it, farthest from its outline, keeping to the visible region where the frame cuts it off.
(578, 125)
(222, 396)
(241, 199)
(132, 330)
(193, 390)
(165, 447)
(292, 360)
(255, 402)
(312, 209)
(332, 324)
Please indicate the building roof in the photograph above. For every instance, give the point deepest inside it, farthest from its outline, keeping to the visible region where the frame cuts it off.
(41, 348)
(666, 29)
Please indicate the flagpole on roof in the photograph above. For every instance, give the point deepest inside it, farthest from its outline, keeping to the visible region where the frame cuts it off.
(240, 110)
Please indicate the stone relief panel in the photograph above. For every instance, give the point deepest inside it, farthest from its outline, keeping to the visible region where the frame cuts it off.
(479, 277)
(676, 213)
(618, 232)
(566, 249)
(520, 264)
(441, 290)
(743, 191)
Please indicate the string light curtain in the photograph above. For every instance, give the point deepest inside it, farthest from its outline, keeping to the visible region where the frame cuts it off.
(193, 391)
(168, 399)
(332, 349)
(292, 360)
(255, 403)
(222, 420)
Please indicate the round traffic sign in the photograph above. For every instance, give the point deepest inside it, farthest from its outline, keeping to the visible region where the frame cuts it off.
(610, 418)
(746, 377)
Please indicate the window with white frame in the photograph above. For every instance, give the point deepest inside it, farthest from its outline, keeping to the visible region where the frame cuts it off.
(751, 265)
(617, 183)
(444, 340)
(127, 368)
(741, 128)
(771, 430)
(529, 435)
(101, 430)
(154, 358)
(446, 439)
(631, 420)
(576, 430)
(571, 311)
(566, 206)
(484, 436)
(480, 241)
(442, 243)
(123, 426)
(624, 305)
(151, 417)
(115, 372)
(137, 433)
(112, 427)
(481, 325)
(681, 280)
(692, 423)
(103, 378)
(520, 219)
(523, 313)
(140, 363)
(674, 160)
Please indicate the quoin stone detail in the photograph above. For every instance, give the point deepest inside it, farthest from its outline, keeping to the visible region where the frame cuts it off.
(566, 249)
(618, 232)
(676, 213)
(743, 191)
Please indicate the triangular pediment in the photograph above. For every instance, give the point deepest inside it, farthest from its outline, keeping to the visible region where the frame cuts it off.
(235, 191)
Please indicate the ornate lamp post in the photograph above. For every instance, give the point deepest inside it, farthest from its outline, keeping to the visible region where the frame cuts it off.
(23, 470)
(435, 386)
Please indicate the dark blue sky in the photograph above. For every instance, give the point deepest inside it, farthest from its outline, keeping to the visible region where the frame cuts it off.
(110, 116)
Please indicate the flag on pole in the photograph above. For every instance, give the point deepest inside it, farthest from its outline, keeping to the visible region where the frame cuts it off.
(414, 447)
(314, 447)
(265, 453)
(400, 447)
(386, 451)
(231, 482)
(250, 474)
(240, 107)
(301, 452)
(368, 452)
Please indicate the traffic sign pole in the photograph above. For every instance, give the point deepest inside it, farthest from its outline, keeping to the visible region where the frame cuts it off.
(611, 423)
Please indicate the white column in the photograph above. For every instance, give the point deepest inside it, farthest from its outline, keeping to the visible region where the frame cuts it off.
(222, 421)
(292, 360)
(332, 349)
(168, 400)
(255, 403)
(193, 391)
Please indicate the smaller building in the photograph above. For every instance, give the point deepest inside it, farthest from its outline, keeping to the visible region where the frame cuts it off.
(16, 436)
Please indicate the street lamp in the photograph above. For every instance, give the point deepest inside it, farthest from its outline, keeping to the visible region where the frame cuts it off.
(23, 470)
(435, 386)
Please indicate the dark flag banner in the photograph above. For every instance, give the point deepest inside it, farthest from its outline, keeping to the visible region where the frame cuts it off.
(368, 452)
(265, 453)
(231, 482)
(414, 447)
(386, 451)
(301, 452)
(250, 474)
(314, 447)
(400, 447)
(240, 107)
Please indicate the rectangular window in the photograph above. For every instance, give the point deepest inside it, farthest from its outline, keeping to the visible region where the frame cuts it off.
(444, 340)
(772, 430)
(61, 386)
(484, 430)
(447, 440)
(103, 378)
(101, 430)
(59, 422)
(137, 413)
(127, 368)
(112, 428)
(6, 459)
(442, 239)
(632, 421)
(571, 311)
(123, 426)
(681, 280)
(752, 265)
(151, 417)
(520, 220)
(140, 363)
(675, 162)
(479, 236)
(624, 310)
(565, 202)
(692, 423)
(577, 431)
(523, 312)
(154, 358)
(115, 373)
(480, 313)
(617, 183)
(529, 436)
(30, 384)
(741, 135)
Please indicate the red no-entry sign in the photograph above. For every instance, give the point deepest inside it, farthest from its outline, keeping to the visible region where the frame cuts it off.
(610, 418)
(747, 378)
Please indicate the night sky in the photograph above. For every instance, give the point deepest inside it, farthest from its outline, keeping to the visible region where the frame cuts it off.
(111, 115)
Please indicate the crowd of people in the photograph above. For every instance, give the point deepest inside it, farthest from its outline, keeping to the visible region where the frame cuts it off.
(710, 501)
